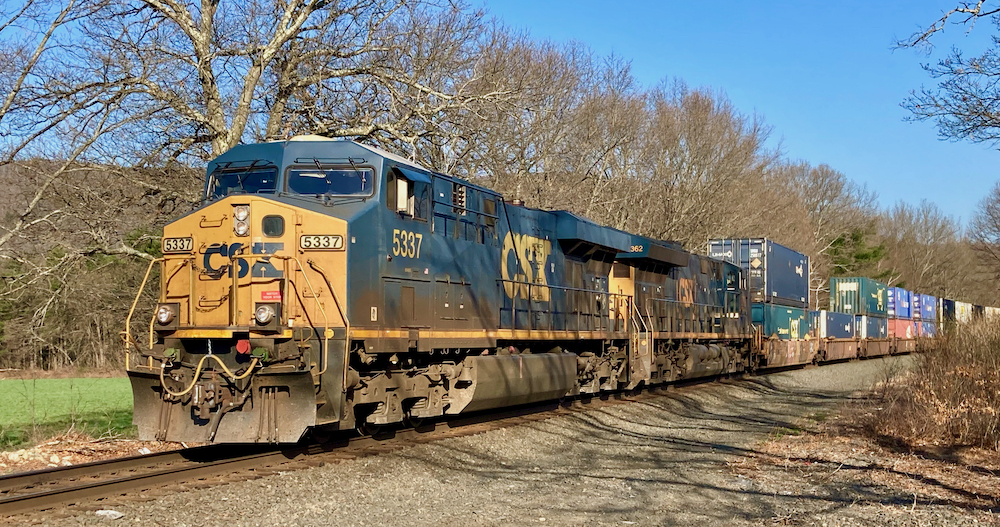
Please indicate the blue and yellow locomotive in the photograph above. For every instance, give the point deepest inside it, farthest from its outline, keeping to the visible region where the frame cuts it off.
(325, 283)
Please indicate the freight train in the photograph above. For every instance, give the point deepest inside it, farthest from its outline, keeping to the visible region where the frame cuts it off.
(328, 284)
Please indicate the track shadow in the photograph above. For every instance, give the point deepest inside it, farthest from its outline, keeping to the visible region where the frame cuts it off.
(664, 458)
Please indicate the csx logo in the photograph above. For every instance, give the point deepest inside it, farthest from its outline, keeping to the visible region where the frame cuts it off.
(528, 253)
(262, 267)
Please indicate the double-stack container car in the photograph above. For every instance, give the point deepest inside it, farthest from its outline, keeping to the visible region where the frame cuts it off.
(836, 334)
(868, 300)
(901, 327)
(925, 309)
(778, 284)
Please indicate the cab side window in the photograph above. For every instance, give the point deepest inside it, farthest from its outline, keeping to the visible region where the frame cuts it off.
(408, 198)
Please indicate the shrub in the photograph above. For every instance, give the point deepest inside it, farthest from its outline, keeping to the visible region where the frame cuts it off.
(952, 395)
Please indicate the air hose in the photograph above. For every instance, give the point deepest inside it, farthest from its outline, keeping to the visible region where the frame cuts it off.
(197, 374)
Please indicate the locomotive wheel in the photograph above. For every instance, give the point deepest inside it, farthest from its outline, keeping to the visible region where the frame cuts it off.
(322, 435)
(413, 422)
(369, 429)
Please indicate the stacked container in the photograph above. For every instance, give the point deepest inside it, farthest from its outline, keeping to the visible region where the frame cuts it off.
(777, 281)
(867, 300)
(924, 307)
(899, 303)
(946, 311)
(902, 328)
(775, 274)
(830, 324)
(925, 314)
(871, 327)
(859, 296)
(963, 312)
(901, 314)
(788, 323)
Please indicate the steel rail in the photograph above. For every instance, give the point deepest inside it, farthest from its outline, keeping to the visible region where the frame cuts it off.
(42, 489)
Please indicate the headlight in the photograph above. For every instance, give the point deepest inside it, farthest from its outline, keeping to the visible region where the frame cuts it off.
(242, 228)
(264, 314)
(241, 212)
(165, 314)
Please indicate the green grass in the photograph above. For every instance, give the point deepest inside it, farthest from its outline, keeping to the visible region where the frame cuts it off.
(33, 410)
(780, 431)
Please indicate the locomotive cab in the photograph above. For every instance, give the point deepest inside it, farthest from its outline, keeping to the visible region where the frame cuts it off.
(248, 340)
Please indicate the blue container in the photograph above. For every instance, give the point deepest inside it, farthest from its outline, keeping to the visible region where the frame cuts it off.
(775, 273)
(787, 323)
(927, 329)
(900, 303)
(924, 307)
(869, 327)
(946, 310)
(833, 325)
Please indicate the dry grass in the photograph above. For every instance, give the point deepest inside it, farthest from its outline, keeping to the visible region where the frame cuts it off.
(950, 398)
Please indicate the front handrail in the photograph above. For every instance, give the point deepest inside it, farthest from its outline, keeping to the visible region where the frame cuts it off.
(343, 316)
(127, 334)
(129, 341)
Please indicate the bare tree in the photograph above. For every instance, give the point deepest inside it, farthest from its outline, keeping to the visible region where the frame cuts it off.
(922, 242)
(965, 104)
(984, 229)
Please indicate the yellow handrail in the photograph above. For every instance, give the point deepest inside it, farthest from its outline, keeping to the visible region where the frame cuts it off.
(127, 334)
(343, 316)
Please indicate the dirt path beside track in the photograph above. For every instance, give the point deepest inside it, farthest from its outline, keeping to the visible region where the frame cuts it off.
(697, 456)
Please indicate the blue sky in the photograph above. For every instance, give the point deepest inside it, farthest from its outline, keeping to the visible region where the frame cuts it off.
(822, 74)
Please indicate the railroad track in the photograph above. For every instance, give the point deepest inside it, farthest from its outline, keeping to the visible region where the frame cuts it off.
(34, 496)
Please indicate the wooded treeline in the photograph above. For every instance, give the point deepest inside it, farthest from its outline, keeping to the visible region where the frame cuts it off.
(109, 109)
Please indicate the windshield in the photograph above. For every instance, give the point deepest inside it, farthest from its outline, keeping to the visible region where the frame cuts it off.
(243, 181)
(332, 181)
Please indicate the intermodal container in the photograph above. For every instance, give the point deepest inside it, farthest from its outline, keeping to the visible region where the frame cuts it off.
(946, 310)
(978, 311)
(924, 307)
(830, 324)
(785, 322)
(859, 296)
(902, 328)
(775, 273)
(963, 312)
(899, 303)
(870, 327)
(992, 312)
(927, 329)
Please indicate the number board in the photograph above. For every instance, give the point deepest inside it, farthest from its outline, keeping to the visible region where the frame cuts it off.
(319, 242)
(177, 245)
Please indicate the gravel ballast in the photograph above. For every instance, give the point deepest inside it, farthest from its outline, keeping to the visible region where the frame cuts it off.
(664, 460)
